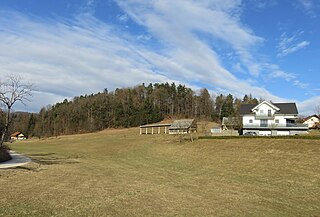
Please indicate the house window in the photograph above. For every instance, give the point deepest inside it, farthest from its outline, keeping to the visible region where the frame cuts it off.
(261, 111)
(263, 123)
(277, 121)
(269, 112)
(250, 121)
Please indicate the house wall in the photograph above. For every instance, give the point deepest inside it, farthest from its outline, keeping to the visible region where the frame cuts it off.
(311, 121)
(276, 132)
(282, 120)
(246, 120)
(264, 109)
(283, 133)
(265, 133)
(298, 132)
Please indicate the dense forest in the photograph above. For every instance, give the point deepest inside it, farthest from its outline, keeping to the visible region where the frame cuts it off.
(127, 107)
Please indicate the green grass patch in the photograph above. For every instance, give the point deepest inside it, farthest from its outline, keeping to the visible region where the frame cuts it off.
(121, 173)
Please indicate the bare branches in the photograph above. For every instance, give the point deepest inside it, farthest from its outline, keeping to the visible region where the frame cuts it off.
(13, 90)
(317, 110)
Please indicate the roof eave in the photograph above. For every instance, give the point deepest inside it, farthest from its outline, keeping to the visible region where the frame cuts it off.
(268, 103)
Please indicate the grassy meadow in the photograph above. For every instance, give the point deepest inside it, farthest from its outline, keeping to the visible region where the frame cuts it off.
(122, 173)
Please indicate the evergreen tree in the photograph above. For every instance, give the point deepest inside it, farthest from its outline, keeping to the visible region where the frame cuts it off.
(227, 109)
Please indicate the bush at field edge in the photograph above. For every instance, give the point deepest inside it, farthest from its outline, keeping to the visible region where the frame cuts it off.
(4, 154)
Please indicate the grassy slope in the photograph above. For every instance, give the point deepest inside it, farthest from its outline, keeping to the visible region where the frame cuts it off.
(120, 173)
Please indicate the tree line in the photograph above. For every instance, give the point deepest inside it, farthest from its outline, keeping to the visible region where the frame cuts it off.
(127, 107)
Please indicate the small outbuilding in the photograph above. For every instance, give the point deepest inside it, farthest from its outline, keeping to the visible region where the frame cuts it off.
(312, 121)
(183, 126)
(17, 136)
(154, 128)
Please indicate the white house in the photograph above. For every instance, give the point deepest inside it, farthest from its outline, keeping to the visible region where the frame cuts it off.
(312, 121)
(269, 119)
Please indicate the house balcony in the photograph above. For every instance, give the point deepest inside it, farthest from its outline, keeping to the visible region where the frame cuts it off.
(264, 116)
(288, 126)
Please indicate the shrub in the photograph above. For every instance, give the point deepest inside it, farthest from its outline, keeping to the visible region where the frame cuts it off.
(4, 154)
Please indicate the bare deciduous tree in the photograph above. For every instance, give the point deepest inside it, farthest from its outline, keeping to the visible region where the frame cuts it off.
(317, 110)
(12, 90)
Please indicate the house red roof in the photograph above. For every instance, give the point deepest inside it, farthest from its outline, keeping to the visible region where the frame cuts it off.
(15, 134)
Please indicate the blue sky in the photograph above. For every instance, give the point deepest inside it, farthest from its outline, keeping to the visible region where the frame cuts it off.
(269, 48)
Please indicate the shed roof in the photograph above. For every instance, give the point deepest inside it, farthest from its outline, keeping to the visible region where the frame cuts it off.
(181, 124)
(285, 108)
(155, 125)
(15, 134)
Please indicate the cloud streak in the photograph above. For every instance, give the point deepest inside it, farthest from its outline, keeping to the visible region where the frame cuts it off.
(310, 7)
(308, 106)
(290, 44)
(276, 73)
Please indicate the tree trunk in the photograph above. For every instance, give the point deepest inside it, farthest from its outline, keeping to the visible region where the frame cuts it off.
(4, 134)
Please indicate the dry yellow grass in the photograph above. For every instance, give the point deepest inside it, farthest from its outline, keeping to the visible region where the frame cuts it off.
(120, 173)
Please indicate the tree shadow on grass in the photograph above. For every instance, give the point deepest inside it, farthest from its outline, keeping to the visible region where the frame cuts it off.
(41, 155)
(52, 159)
(28, 168)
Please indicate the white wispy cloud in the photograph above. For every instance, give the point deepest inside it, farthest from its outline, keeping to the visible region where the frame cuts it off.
(290, 44)
(178, 22)
(289, 77)
(282, 74)
(308, 107)
(310, 7)
(262, 4)
(276, 73)
(123, 18)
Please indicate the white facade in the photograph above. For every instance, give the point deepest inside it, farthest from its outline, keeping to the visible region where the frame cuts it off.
(266, 119)
(277, 120)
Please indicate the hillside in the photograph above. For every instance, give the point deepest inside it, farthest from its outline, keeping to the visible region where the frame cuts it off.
(127, 107)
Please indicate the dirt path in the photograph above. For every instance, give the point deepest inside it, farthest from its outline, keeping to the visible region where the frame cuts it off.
(16, 161)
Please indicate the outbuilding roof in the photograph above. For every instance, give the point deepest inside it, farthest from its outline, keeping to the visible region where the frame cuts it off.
(181, 124)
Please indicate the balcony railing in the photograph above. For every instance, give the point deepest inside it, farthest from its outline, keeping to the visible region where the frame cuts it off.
(264, 116)
(296, 125)
(276, 126)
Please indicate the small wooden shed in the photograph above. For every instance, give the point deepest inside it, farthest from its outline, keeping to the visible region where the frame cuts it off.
(183, 126)
(154, 128)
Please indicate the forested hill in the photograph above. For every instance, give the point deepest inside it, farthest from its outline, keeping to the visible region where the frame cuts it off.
(127, 107)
